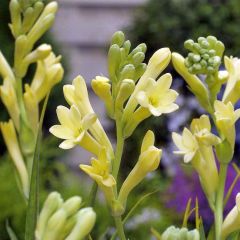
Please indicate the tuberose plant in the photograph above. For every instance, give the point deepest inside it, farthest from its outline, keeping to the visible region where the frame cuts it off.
(132, 92)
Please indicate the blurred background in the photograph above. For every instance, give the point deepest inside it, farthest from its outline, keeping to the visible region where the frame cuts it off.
(81, 34)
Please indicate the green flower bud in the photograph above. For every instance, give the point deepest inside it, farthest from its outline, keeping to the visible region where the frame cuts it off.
(114, 59)
(189, 44)
(72, 205)
(30, 16)
(173, 233)
(138, 58)
(86, 218)
(125, 90)
(15, 11)
(43, 23)
(208, 49)
(52, 203)
(127, 72)
(118, 38)
(126, 46)
(55, 225)
(140, 69)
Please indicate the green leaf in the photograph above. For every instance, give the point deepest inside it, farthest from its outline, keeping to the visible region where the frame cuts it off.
(155, 233)
(33, 203)
(10, 231)
(137, 204)
(201, 230)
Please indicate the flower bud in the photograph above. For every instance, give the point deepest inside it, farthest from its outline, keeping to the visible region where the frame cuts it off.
(114, 59)
(30, 16)
(195, 84)
(102, 89)
(55, 225)
(126, 89)
(31, 105)
(232, 221)
(173, 233)
(5, 69)
(9, 99)
(86, 218)
(11, 141)
(127, 72)
(72, 205)
(118, 38)
(43, 23)
(16, 23)
(148, 161)
(52, 203)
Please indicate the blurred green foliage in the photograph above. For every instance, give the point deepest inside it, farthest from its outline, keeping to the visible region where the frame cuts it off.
(170, 22)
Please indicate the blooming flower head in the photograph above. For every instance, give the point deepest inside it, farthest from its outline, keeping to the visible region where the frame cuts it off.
(77, 94)
(232, 89)
(74, 129)
(201, 128)
(225, 120)
(100, 172)
(157, 97)
(187, 144)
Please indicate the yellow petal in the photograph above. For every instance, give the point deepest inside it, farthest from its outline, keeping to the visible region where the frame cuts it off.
(148, 140)
(67, 144)
(62, 132)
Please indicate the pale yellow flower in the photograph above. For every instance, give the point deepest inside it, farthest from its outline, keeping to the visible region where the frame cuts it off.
(77, 94)
(100, 172)
(196, 146)
(232, 89)
(11, 141)
(225, 120)
(187, 144)
(201, 128)
(148, 161)
(232, 221)
(158, 97)
(49, 72)
(74, 129)
(157, 63)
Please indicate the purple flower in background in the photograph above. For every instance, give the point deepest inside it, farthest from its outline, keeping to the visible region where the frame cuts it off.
(187, 185)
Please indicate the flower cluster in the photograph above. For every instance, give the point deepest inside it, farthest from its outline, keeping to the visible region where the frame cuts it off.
(61, 219)
(201, 148)
(132, 92)
(29, 21)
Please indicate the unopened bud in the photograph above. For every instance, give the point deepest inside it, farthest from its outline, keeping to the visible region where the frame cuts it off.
(118, 38)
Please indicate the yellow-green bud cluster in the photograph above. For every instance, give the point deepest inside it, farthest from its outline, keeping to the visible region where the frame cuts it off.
(205, 55)
(64, 220)
(123, 64)
(173, 233)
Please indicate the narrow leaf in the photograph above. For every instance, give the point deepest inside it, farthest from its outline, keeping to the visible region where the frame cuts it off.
(155, 233)
(186, 214)
(33, 203)
(137, 204)
(10, 232)
(229, 192)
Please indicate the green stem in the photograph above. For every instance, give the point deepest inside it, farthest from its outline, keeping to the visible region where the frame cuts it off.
(92, 194)
(218, 214)
(119, 149)
(119, 226)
